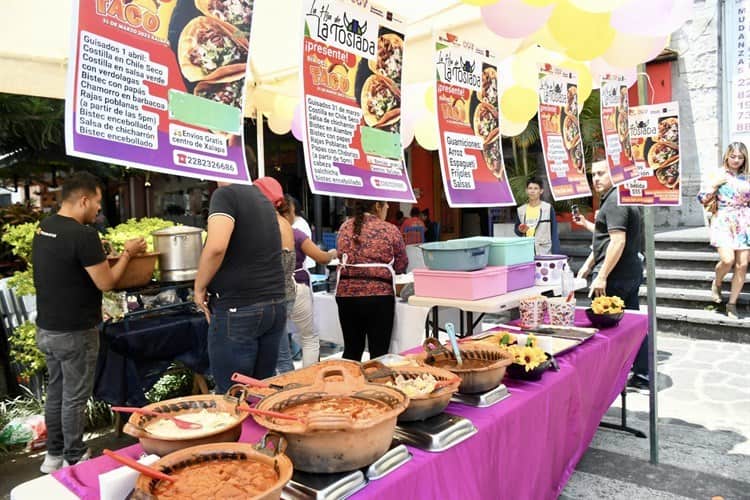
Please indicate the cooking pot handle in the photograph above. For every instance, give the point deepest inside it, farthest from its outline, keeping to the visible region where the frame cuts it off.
(244, 379)
(374, 369)
(277, 440)
(329, 422)
(237, 392)
(322, 382)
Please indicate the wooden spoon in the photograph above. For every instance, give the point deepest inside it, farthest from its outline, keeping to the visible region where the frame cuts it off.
(182, 424)
(135, 465)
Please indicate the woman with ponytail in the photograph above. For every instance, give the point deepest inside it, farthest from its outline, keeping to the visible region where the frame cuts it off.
(371, 251)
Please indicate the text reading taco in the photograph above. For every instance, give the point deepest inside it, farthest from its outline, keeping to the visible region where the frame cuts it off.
(238, 13)
(381, 102)
(485, 120)
(207, 50)
(571, 132)
(662, 154)
(390, 58)
(669, 130)
(228, 91)
(488, 93)
(491, 154)
(669, 175)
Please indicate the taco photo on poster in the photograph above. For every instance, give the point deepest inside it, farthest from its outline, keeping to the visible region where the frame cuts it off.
(491, 154)
(381, 103)
(227, 90)
(208, 50)
(390, 59)
(485, 120)
(488, 94)
(238, 13)
(571, 108)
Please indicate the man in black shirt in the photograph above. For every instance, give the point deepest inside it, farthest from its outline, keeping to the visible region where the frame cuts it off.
(614, 260)
(70, 273)
(240, 267)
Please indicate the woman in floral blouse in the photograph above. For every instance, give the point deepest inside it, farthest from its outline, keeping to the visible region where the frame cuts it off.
(364, 295)
(727, 196)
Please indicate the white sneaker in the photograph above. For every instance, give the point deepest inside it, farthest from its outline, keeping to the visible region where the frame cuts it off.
(51, 464)
(83, 458)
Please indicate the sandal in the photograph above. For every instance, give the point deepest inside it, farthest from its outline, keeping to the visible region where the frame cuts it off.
(732, 311)
(715, 292)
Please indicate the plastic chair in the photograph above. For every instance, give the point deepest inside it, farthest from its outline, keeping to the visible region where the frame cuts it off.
(414, 235)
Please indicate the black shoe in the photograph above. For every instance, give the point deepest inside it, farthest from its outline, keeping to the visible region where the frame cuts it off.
(639, 383)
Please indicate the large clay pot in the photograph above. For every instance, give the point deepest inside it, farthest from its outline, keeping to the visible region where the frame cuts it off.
(483, 369)
(421, 406)
(159, 445)
(210, 453)
(331, 441)
(301, 377)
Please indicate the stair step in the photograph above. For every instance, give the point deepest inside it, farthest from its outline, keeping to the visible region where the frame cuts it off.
(702, 324)
(684, 294)
(708, 256)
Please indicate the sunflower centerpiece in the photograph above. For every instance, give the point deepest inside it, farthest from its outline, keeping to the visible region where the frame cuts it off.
(605, 311)
(529, 360)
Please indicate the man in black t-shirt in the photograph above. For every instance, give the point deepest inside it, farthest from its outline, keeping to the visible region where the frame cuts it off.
(240, 267)
(614, 260)
(70, 273)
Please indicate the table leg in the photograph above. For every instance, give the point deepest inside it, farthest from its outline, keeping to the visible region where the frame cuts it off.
(435, 324)
(469, 323)
(623, 425)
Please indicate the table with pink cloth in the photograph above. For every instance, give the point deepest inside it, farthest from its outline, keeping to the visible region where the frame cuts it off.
(527, 446)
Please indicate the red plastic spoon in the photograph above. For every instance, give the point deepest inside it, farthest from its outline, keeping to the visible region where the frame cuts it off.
(268, 413)
(182, 424)
(135, 465)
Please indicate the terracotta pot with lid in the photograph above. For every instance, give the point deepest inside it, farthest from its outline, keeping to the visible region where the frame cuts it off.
(346, 423)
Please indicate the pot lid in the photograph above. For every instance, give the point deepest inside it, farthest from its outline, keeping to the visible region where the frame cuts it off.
(169, 231)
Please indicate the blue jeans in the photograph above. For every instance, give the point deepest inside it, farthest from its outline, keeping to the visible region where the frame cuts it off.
(245, 340)
(71, 363)
(285, 363)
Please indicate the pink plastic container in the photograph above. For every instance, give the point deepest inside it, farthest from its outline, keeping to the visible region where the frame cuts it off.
(520, 276)
(461, 285)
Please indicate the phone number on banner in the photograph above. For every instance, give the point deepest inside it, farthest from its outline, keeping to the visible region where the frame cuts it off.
(186, 159)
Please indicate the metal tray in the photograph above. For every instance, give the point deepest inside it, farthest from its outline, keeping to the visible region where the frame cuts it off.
(304, 486)
(394, 458)
(435, 434)
(483, 399)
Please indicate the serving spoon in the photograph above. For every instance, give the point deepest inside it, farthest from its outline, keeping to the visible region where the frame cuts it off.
(135, 465)
(182, 424)
(269, 413)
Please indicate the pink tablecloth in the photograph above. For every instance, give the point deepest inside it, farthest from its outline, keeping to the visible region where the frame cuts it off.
(527, 446)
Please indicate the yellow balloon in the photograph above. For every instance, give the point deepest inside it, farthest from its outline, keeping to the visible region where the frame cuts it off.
(479, 3)
(511, 129)
(279, 125)
(263, 100)
(539, 3)
(585, 80)
(597, 5)
(426, 132)
(630, 50)
(525, 65)
(544, 38)
(584, 35)
(519, 104)
(429, 98)
(284, 106)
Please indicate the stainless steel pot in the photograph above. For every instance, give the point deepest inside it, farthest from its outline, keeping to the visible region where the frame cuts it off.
(180, 250)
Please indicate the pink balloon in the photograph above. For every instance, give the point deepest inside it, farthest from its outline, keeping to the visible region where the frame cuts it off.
(515, 18)
(298, 123)
(644, 17)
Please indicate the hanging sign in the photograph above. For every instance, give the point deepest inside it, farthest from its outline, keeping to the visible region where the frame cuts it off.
(352, 62)
(655, 139)
(471, 153)
(560, 132)
(737, 70)
(615, 130)
(160, 85)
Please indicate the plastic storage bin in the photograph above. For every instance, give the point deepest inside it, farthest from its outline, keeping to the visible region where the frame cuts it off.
(455, 255)
(507, 251)
(549, 268)
(521, 276)
(329, 240)
(460, 285)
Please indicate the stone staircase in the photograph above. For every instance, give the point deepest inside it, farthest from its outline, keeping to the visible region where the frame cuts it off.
(684, 271)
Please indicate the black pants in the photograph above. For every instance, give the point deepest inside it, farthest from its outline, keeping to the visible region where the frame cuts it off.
(368, 318)
(627, 290)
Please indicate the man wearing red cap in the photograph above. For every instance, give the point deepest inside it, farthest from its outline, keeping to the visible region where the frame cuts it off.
(240, 284)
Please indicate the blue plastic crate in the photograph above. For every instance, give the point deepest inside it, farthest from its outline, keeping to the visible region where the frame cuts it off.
(329, 240)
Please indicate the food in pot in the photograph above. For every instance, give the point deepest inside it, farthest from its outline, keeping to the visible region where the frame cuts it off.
(209, 420)
(414, 387)
(225, 479)
(468, 364)
(355, 408)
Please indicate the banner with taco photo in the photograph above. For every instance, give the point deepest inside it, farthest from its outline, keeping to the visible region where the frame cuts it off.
(352, 62)
(560, 132)
(471, 153)
(655, 139)
(615, 131)
(160, 85)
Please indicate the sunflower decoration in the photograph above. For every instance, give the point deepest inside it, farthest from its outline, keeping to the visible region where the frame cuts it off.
(607, 305)
(527, 356)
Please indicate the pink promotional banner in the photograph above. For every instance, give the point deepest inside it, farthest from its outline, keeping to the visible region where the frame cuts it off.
(655, 139)
(352, 62)
(615, 130)
(160, 86)
(560, 132)
(471, 153)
